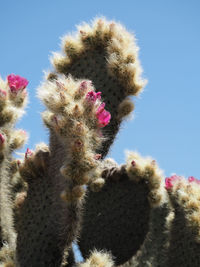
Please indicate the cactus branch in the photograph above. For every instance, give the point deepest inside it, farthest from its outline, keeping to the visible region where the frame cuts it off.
(106, 54)
(57, 177)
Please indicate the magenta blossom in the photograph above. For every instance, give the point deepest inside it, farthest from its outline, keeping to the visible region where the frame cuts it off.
(169, 181)
(28, 153)
(16, 83)
(103, 115)
(193, 179)
(92, 96)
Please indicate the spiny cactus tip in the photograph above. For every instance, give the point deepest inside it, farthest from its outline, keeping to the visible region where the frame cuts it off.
(170, 181)
(92, 96)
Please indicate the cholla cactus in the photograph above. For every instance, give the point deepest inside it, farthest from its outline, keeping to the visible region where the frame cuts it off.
(106, 54)
(13, 99)
(66, 191)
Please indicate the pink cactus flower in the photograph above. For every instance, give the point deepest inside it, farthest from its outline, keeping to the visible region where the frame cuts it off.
(16, 83)
(169, 181)
(103, 115)
(98, 95)
(193, 179)
(2, 139)
(28, 153)
(92, 96)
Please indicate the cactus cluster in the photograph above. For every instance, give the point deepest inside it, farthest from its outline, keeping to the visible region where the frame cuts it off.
(67, 191)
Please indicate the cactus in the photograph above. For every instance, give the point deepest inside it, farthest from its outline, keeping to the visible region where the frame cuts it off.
(67, 191)
(185, 227)
(106, 54)
(13, 99)
(131, 190)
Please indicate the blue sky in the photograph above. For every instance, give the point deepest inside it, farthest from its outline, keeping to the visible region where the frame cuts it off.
(166, 120)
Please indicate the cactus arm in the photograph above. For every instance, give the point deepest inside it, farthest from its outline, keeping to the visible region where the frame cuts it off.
(50, 215)
(106, 54)
(37, 241)
(135, 193)
(12, 103)
(184, 239)
(154, 249)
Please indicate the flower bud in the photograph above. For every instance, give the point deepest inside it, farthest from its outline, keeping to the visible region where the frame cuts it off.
(28, 153)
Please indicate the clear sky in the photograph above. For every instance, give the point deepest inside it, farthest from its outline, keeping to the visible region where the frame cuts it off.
(166, 124)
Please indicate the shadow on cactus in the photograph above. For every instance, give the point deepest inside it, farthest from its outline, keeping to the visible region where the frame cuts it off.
(67, 191)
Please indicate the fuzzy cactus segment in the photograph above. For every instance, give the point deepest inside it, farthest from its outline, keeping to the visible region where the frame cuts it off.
(10, 140)
(75, 117)
(106, 54)
(113, 215)
(58, 178)
(120, 215)
(184, 238)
